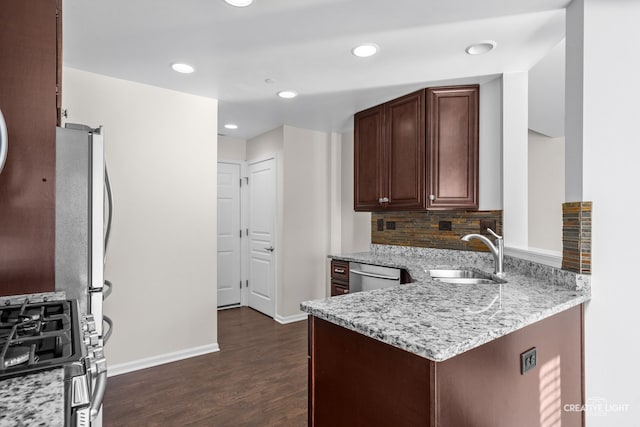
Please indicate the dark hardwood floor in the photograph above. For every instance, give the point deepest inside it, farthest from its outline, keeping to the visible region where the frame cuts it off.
(259, 378)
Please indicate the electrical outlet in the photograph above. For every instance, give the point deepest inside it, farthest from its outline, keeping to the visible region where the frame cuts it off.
(380, 224)
(444, 226)
(487, 223)
(527, 360)
(391, 225)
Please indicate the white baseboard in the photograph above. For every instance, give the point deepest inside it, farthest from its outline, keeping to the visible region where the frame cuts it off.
(283, 320)
(148, 362)
(541, 256)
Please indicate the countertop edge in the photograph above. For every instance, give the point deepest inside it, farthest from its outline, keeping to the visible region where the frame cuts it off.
(524, 272)
(459, 348)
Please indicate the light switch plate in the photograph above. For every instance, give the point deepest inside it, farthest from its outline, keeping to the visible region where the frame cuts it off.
(528, 360)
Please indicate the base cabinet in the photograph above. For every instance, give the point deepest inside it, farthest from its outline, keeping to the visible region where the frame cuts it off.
(339, 278)
(358, 381)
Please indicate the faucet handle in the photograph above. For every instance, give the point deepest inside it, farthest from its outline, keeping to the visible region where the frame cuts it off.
(494, 234)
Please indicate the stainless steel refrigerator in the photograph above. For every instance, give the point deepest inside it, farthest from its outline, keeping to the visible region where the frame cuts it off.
(84, 209)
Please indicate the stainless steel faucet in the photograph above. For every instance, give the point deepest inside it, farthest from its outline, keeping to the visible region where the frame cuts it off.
(497, 250)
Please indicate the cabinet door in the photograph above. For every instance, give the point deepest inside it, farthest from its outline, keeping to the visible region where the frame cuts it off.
(27, 183)
(338, 288)
(340, 270)
(452, 121)
(368, 140)
(404, 154)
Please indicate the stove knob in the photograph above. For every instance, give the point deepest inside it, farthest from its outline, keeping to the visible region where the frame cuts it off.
(91, 324)
(90, 363)
(91, 338)
(88, 323)
(97, 363)
(100, 360)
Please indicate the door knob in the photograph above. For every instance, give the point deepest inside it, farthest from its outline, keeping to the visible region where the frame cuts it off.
(269, 249)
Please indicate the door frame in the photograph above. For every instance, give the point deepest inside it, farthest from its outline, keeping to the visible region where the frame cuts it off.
(244, 203)
(276, 240)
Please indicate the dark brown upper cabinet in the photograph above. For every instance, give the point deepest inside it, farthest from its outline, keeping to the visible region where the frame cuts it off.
(418, 152)
(368, 158)
(390, 155)
(30, 42)
(452, 154)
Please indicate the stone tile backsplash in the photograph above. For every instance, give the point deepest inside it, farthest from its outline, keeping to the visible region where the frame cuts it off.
(576, 237)
(423, 229)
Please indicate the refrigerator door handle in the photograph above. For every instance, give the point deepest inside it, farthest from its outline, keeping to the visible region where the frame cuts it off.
(107, 335)
(4, 142)
(107, 288)
(107, 183)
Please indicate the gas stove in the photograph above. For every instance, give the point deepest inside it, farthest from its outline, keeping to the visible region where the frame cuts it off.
(36, 336)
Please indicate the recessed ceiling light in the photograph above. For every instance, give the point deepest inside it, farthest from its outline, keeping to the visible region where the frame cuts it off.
(239, 3)
(231, 126)
(269, 81)
(287, 94)
(481, 48)
(365, 50)
(182, 68)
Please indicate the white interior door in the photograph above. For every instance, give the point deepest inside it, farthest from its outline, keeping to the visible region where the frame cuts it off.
(229, 255)
(262, 215)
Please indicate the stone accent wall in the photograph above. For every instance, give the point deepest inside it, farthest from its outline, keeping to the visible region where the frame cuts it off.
(576, 237)
(422, 229)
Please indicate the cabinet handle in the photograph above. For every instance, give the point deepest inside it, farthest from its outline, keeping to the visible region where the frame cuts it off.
(345, 291)
(383, 200)
(432, 197)
(338, 270)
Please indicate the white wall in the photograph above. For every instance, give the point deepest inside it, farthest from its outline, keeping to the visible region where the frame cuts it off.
(267, 145)
(546, 192)
(490, 171)
(306, 217)
(609, 130)
(574, 76)
(356, 226)
(515, 150)
(303, 212)
(230, 148)
(546, 93)
(160, 146)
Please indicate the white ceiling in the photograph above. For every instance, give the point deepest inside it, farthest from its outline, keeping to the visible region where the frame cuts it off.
(304, 45)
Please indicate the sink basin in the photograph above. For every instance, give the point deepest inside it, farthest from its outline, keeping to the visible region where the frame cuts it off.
(462, 276)
(458, 274)
(466, 280)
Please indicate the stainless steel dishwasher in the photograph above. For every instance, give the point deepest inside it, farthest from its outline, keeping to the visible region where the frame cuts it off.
(366, 277)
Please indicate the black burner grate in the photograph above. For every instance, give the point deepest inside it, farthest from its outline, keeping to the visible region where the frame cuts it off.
(36, 336)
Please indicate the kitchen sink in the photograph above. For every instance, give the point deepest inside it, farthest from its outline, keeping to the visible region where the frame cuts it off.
(458, 274)
(462, 276)
(466, 280)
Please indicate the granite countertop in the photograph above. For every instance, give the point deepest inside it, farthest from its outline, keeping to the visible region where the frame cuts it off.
(439, 320)
(35, 399)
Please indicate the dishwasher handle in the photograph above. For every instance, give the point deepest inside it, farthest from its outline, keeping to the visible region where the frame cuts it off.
(377, 276)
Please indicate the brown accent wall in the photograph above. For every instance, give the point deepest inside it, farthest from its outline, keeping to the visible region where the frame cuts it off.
(576, 237)
(422, 228)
